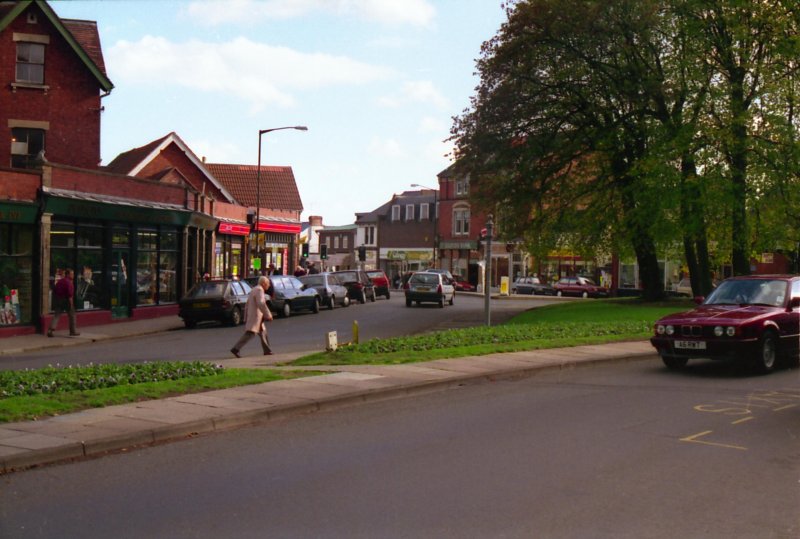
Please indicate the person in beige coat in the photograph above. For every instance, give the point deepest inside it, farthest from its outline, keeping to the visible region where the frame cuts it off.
(256, 313)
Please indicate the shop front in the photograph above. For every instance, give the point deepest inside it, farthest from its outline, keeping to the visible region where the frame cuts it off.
(128, 256)
(18, 246)
(273, 245)
(400, 261)
(229, 249)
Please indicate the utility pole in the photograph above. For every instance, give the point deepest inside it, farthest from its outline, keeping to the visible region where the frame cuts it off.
(487, 293)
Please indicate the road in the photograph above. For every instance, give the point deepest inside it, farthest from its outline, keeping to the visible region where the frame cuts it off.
(301, 332)
(625, 449)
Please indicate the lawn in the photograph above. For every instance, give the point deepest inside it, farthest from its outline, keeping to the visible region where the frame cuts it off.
(554, 326)
(33, 394)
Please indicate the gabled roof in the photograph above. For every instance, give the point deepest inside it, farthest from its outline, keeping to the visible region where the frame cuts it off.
(81, 36)
(133, 161)
(278, 186)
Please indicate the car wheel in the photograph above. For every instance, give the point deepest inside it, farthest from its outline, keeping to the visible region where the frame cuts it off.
(332, 302)
(452, 299)
(372, 297)
(190, 324)
(408, 303)
(363, 298)
(768, 352)
(558, 293)
(674, 363)
(346, 301)
(585, 294)
(315, 307)
(286, 312)
(388, 294)
(236, 316)
(441, 302)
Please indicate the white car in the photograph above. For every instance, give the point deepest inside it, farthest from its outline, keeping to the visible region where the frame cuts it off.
(429, 287)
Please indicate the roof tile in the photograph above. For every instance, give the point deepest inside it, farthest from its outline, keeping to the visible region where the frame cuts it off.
(278, 186)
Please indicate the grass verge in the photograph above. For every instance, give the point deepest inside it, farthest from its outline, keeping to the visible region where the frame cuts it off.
(554, 326)
(35, 406)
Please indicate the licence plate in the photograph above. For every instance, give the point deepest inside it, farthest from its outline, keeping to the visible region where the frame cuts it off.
(691, 345)
(423, 288)
(202, 305)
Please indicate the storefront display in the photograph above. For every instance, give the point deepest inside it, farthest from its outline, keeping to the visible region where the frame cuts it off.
(16, 274)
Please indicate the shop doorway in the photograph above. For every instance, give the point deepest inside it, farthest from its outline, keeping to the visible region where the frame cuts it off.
(120, 287)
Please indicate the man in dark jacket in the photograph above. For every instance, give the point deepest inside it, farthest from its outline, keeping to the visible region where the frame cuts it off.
(64, 302)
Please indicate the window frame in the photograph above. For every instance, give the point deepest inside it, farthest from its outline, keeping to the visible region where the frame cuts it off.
(30, 61)
(409, 212)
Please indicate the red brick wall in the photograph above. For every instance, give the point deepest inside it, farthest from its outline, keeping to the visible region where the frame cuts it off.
(114, 185)
(19, 185)
(172, 156)
(71, 105)
(230, 211)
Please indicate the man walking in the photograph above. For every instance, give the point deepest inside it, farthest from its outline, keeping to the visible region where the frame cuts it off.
(64, 302)
(256, 312)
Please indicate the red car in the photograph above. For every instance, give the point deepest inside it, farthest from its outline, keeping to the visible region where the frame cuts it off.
(380, 281)
(579, 286)
(462, 285)
(754, 318)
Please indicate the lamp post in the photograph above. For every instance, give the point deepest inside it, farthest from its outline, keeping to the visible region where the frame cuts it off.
(487, 275)
(258, 172)
(435, 218)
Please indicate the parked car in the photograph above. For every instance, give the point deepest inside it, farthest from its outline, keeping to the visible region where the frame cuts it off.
(444, 272)
(753, 318)
(331, 291)
(430, 287)
(380, 281)
(359, 286)
(579, 286)
(288, 294)
(462, 284)
(219, 299)
(532, 285)
(683, 287)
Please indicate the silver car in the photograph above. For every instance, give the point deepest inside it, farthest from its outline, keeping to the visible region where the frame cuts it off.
(429, 287)
(331, 291)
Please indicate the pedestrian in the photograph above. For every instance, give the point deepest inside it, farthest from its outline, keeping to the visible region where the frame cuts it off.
(312, 268)
(256, 313)
(299, 271)
(64, 302)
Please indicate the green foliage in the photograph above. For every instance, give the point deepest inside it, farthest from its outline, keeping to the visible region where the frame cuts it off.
(64, 379)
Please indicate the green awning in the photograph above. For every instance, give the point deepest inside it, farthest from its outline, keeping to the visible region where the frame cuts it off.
(125, 212)
(18, 212)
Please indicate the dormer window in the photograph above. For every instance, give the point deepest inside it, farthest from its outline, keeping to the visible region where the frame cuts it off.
(409, 212)
(30, 63)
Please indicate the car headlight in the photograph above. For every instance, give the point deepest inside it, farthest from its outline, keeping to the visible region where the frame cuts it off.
(730, 331)
(660, 329)
(670, 330)
(718, 331)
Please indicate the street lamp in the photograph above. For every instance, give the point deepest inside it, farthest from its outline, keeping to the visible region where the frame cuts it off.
(487, 271)
(435, 217)
(258, 172)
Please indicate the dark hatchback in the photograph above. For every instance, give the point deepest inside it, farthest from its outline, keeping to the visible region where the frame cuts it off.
(288, 294)
(359, 285)
(331, 291)
(753, 318)
(222, 300)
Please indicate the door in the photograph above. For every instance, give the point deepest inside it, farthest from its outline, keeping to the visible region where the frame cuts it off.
(120, 287)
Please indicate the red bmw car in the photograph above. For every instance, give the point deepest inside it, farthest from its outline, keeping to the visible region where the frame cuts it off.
(753, 318)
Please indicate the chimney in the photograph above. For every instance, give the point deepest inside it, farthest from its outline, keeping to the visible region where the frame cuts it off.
(315, 220)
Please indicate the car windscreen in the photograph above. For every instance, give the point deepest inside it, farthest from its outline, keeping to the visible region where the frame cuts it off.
(313, 280)
(422, 278)
(771, 292)
(207, 290)
(348, 276)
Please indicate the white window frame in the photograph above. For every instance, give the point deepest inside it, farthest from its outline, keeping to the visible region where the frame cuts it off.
(32, 65)
(424, 211)
(344, 242)
(461, 217)
(336, 242)
(396, 213)
(409, 212)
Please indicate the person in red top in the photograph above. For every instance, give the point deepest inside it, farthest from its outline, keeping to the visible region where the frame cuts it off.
(64, 302)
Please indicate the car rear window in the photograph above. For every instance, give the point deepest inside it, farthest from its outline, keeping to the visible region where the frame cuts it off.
(313, 280)
(348, 276)
(422, 278)
(208, 289)
(376, 274)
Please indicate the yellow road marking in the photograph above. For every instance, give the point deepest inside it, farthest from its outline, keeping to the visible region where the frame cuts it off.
(784, 407)
(741, 420)
(693, 439)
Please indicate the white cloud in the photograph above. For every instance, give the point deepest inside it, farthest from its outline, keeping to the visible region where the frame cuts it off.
(261, 74)
(416, 92)
(430, 124)
(386, 147)
(411, 12)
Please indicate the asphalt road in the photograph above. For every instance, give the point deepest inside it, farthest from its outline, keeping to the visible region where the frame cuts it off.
(301, 332)
(608, 451)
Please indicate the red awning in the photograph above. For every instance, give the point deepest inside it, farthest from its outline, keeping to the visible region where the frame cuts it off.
(283, 228)
(230, 228)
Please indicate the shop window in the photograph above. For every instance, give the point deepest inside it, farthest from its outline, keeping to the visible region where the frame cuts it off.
(156, 266)
(30, 63)
(79, 248)
(16, 274)
(25, 147)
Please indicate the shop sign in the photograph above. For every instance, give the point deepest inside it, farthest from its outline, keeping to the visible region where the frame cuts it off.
(115, 212)
(408, 255)
(284, 228)
(231, 228)
(18, 213)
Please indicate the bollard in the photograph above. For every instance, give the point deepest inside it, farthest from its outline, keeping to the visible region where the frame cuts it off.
(355, 331)
(332, 342)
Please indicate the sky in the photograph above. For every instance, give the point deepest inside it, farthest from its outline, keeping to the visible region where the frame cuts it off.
(377, 83)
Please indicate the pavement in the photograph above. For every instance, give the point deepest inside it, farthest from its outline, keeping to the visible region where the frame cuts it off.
(97, 431)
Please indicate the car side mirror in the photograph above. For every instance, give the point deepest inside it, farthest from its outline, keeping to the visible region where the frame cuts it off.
(699, 299)
(794, 303)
